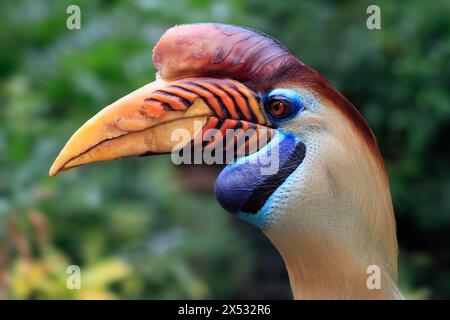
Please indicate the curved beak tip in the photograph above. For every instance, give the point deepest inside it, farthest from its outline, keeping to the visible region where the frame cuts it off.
(56, 167)
(54, 170)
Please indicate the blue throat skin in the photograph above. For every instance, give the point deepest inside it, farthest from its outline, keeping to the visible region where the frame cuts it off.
(243, 187)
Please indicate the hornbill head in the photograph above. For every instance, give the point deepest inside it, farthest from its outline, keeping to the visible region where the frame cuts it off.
(323, 197)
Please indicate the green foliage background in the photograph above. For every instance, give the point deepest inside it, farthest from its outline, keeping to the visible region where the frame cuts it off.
(134, 230)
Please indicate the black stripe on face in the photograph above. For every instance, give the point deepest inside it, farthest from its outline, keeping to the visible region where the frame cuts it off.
(235, 104)
(169, 95)
(178, 87)
(218, 99)
(212, 134)
(165, 105)
(181, 89)
(197, 94)
(252, 114)
(219, 123)
(261, 194)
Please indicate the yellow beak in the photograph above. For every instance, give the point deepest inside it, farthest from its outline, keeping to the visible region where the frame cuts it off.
(144, 121)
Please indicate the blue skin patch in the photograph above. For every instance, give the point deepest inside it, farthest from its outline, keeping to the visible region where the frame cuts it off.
(237, 181)
(293, 102)
(243, 188)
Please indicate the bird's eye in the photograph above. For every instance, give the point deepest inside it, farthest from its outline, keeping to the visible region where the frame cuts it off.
(278, 108)
(282, 104)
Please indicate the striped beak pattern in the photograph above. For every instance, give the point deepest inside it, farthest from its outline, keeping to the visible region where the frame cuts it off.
(218, 113)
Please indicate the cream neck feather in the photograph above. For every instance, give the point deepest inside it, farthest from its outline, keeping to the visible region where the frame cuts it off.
(334, 216)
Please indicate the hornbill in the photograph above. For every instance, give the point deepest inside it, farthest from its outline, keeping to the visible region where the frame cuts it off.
(327, 209)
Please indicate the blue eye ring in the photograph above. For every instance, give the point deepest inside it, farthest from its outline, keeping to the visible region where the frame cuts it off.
(282, 104)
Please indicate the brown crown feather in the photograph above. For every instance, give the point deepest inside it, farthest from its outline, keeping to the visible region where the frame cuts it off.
(210, 49)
